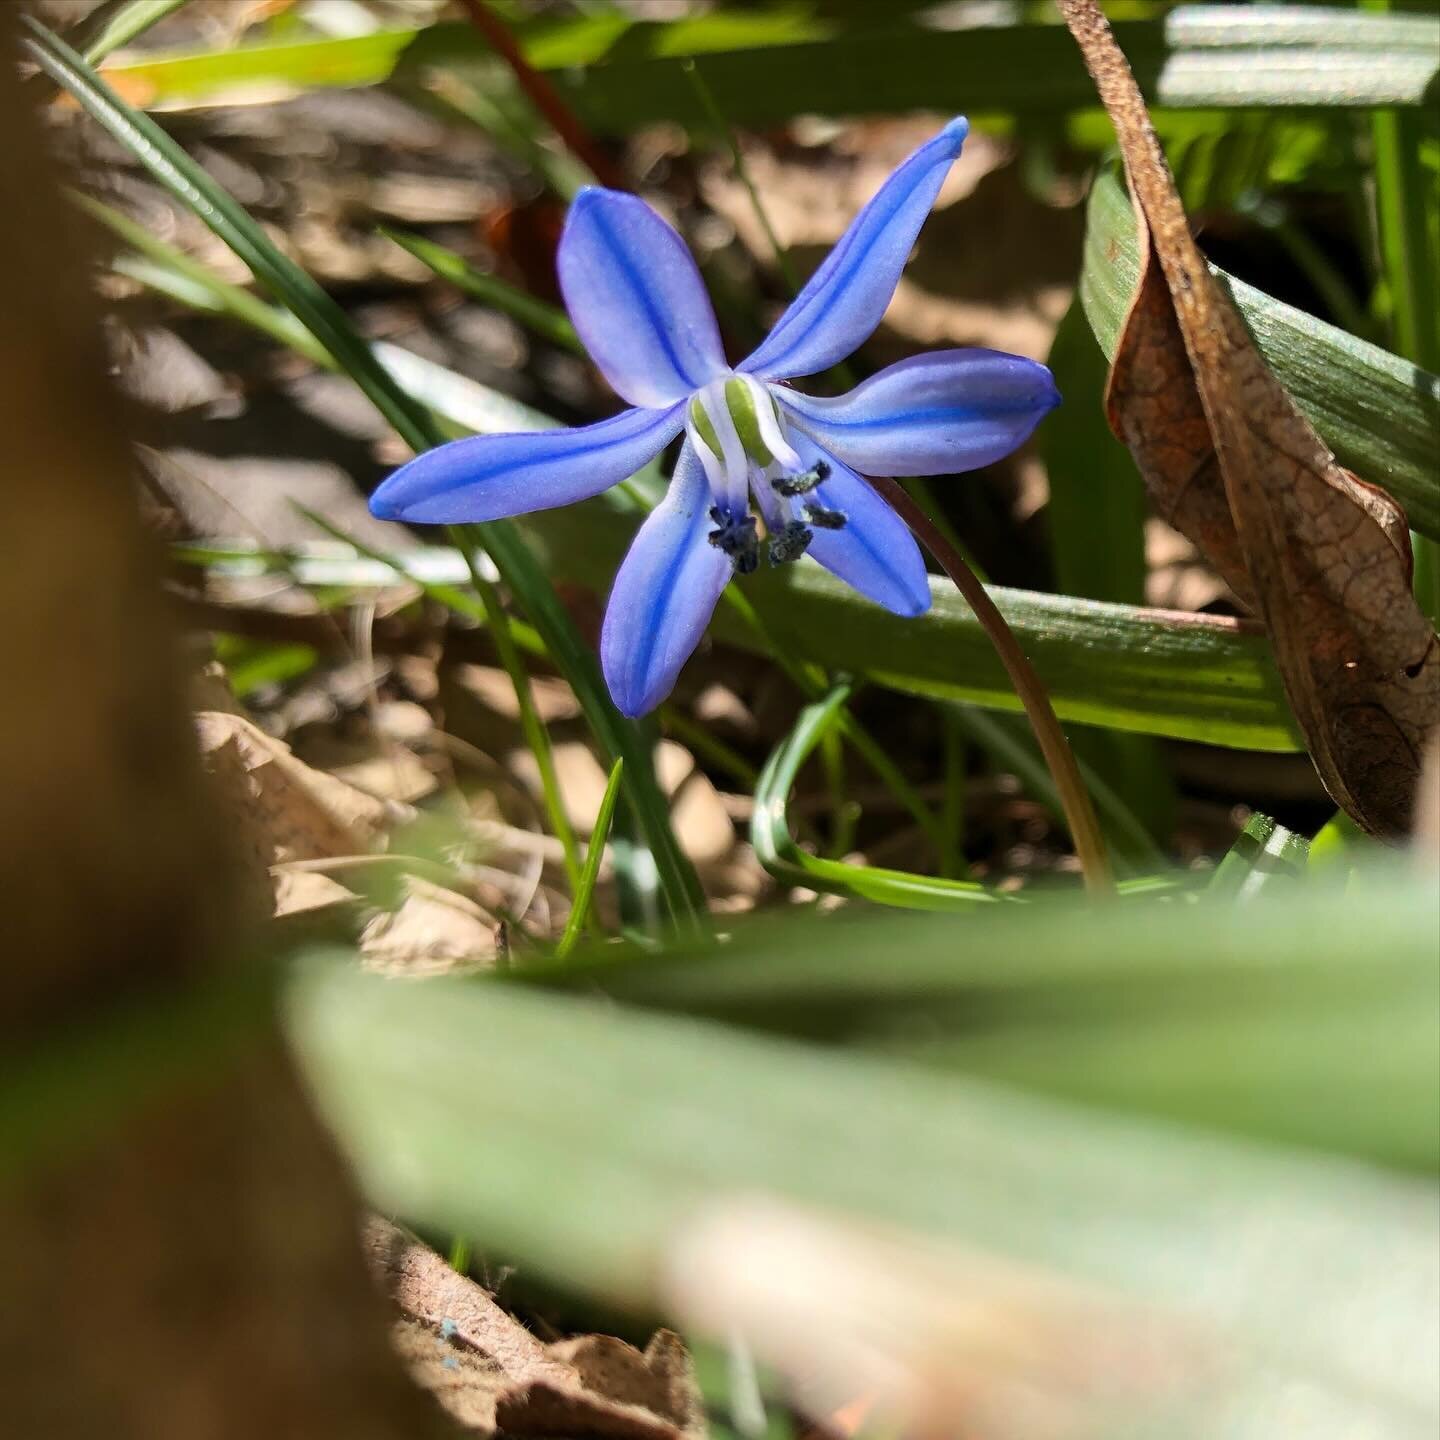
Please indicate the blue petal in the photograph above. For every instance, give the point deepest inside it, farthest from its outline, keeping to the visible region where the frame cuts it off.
(664, 594)
(874, 551)
(637, 300)
(935, 414)
(485, 477)
(846, 297)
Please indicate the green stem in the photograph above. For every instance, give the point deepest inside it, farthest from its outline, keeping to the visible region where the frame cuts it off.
(698, 739)
(585, 890)
(537, 737)
(811, 683)
(1407, 225)
(737, 157)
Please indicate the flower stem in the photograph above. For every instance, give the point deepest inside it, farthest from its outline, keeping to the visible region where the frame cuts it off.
(1074, 798)
(542, 94)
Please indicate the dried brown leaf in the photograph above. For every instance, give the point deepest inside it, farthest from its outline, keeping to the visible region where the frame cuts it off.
(1231, 462)
(493, 1375)
(302, 813)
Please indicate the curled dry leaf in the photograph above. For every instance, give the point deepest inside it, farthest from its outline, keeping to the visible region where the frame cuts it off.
(1230, 461)
(496, 1378)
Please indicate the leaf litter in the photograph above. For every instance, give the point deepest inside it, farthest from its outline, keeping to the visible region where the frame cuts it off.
(1229, 460)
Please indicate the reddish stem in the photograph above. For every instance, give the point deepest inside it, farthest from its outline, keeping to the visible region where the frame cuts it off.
(543, 95)
(1059, 757)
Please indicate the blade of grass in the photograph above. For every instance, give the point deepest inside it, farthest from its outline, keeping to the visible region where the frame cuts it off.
(1264, 852)
(1159, 672)
(118, 24)
(594, 853)
(1403, 195)
(776, 850)
(547, 321)
(320, 314)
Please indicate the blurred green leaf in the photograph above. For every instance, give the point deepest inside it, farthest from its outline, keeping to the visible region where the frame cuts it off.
(1308, 1282)
(1379, 413)
(1311, 1015)
(764, 71)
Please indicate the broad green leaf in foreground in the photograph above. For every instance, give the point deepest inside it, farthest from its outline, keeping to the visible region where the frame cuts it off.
(600, 1146)
(1308, 1013)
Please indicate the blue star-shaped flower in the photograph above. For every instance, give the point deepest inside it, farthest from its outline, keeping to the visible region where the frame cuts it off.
(637, 301)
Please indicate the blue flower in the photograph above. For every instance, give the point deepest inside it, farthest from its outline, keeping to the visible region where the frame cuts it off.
(637, 301)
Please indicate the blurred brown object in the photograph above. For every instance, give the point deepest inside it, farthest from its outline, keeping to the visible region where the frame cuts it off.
(179, 1258)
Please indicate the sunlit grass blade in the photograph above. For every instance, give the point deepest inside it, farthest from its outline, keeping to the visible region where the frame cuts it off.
(1192, 677)
(1264, 853)
(776, 850)
(320, 314)
(115, 25)
(1379, 413)
(1150, 671)
(548, 321)
(589, 876)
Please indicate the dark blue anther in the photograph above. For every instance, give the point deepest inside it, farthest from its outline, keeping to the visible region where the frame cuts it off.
(790, 542)
(823, 519)
(802, 484)
(736, 538)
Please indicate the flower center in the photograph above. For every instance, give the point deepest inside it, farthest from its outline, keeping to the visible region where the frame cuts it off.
(739, 433)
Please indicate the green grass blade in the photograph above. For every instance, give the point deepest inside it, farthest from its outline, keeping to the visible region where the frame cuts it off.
(325, 320)
(1149, 671)
(547, 321)
(776, 850)
(124, 23)
(1379, 413)
(595, 852)
(1264, 853)
(1157, 672)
